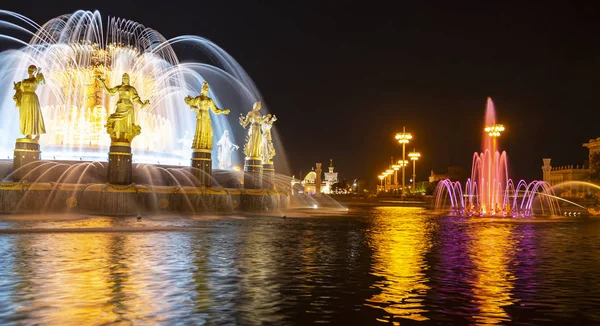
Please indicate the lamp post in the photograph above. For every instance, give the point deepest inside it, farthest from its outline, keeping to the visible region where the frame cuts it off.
(396, 167)
(390, 173)
(414, 156)
(394, 178)
(381, 176)
(494, 132)
(402, 164)
(403, 138)
(385, 175)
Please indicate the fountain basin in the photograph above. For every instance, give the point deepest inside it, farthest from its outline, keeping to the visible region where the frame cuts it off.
(107, 199)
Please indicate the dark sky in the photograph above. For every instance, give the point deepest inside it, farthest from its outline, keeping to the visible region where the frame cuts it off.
(343, 79)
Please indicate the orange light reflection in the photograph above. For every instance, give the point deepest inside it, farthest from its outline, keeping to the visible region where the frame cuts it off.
(491, 251)
(400, 239)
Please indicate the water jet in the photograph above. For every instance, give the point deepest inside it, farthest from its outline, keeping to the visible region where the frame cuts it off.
(78, 166)
(489, 191)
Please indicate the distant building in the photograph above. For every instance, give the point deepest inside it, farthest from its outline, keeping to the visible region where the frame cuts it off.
(330, 178)
(559, 174)
(309, 182)
(433, 177)
(555, 175)
(455, 173)
(594, 146)
(296, 186)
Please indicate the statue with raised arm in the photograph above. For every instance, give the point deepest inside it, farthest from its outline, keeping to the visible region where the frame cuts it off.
(203, 139)
(224, 149)
(30, 113)
(252, 149)
(268, 150)
(121, 124)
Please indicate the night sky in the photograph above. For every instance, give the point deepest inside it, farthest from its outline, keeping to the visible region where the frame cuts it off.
(344, 79)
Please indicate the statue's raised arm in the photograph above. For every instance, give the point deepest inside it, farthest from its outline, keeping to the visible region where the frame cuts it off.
(203, 138)
(191, 102)
(268, 150)
(111, 91)
(216, 109)
(252, 148)
(18, 94)
(244, 121)
(137, 99)
(39, 77)
(121, 125)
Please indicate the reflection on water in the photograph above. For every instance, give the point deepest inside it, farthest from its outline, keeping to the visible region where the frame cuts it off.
(400, 237)
(491, 251)
(380, 264)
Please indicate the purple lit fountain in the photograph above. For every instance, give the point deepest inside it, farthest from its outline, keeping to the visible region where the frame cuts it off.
(489, 191)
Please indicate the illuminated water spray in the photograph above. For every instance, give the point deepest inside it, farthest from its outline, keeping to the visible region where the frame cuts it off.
(489, 191)
(72, 49)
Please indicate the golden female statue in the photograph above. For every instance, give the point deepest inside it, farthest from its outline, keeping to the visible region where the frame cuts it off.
(268, 150)
(121, 124)
(30, 113)
(203, 139)
(252, 149)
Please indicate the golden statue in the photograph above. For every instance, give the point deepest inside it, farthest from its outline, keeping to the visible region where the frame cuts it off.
(252, 149)
(121, 124)
(30, 113)
(268, 150)
(203, 139)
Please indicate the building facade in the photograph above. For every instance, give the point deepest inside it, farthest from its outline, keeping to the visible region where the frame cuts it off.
(331, 177)
(555, 175)
(314, 183)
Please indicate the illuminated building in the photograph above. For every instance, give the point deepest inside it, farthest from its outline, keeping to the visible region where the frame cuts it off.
(310, 181)
(555, 175)
(330, 178)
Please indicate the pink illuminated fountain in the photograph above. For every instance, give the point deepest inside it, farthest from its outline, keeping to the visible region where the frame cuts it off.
(489, 191)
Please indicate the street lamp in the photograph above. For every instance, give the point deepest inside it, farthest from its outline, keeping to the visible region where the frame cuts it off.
(390, 172)
(402, 164)
(403, 138)
(414, 156)
(494, 132)
(381, 176)
(385, 174)
(396, 167)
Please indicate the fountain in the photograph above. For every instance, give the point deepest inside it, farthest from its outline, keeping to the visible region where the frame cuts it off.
(224, 151)
(489, 191)
(66, 168)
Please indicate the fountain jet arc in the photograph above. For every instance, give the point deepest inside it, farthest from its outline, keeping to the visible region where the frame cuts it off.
(75, 48)
(80, 53)
(489, 191)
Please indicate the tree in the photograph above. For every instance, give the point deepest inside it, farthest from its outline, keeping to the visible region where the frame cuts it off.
(340, 186)
(336, 187)
(457, 173)
(430, 190)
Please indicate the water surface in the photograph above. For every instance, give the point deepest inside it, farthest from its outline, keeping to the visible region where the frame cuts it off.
(369, 266)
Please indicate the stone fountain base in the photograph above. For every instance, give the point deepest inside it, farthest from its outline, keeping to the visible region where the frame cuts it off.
(107, 199)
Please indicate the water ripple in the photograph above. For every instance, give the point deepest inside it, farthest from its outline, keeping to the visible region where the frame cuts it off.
(382, 264)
